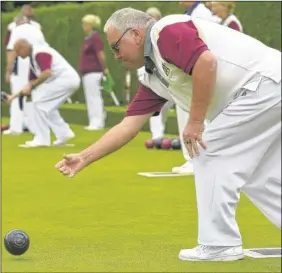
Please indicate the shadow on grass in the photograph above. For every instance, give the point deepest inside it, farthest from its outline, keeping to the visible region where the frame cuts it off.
(19, 259)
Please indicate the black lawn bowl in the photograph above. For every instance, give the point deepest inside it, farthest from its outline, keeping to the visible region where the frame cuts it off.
(16, 242)
(158, 143)
(176, 144)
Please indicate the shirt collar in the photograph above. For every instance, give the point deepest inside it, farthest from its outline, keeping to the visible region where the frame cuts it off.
(88, 36)
(148, 42)
(150, 66)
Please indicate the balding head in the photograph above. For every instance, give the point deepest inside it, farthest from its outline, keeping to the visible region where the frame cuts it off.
(22, 48)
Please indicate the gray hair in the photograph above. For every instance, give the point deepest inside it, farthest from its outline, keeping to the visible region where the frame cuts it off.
(128, 18)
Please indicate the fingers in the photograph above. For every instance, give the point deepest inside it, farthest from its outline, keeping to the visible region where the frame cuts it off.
(68, 157)
(202, 143)
(193, 148)
(62, 167)
(59, 164)
(67, 171)
(72, 174)
(67, 166)
(64, 170)
(188, 146)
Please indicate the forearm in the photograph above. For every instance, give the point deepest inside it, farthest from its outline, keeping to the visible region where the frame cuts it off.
(41, 78)
(102, 60)
(11, 56)
(204, 78)
(113, 140)
(16, 95)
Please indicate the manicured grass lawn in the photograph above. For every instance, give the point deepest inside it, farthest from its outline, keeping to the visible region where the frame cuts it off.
(109, 219)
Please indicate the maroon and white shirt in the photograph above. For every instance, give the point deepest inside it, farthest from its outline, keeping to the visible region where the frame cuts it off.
(89, 61)
(233, 22)
(43, 58)
(178, 41)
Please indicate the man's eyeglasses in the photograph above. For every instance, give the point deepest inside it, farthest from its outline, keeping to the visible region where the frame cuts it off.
(115, 46)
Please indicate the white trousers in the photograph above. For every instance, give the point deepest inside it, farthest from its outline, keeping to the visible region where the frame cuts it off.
(28, 116)
(157, 123)
(243, 155)
(17, 116)
(182, 119)
(94, 99)
(47, 99)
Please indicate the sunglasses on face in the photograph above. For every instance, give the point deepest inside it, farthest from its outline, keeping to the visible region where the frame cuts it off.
(115, 46)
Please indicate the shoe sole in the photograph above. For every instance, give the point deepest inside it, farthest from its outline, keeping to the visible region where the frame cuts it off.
(64, 145)
(11, 134)
(29, 146)
(216, 259)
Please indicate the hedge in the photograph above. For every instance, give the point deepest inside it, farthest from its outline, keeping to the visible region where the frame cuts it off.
(62, 27)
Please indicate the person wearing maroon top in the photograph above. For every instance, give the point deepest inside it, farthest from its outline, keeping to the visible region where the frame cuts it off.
(92, 66)
(53, 80)
(225, 10)
(234, 88)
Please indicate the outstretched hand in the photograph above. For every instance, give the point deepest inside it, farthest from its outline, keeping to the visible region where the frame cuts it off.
(71, 164)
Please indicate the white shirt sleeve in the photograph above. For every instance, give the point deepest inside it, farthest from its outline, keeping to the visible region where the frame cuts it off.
(36, 24)
(29, 32)
(11, 26)
(203, 13)
(13, 38)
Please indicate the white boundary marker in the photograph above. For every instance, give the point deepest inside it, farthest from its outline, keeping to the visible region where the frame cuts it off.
(252, 252)
(161, 174)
